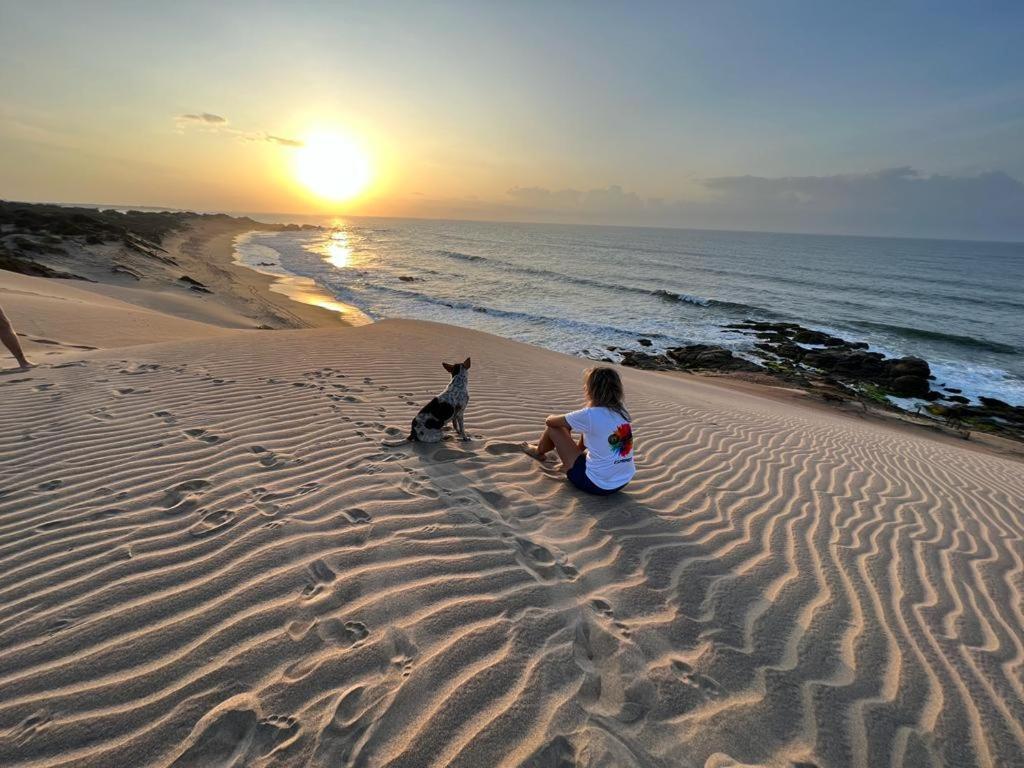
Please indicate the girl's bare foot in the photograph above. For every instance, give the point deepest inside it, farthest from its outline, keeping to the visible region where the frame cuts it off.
(531, 450)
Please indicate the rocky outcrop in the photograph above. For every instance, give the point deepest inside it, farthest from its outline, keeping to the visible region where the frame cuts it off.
(847, 361)
(695, 357)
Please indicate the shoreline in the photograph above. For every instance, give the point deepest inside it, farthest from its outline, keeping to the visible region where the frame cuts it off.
(211, 282)
(299, 289)
(769, 383)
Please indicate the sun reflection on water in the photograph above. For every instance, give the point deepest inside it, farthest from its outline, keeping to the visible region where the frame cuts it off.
(337, 251)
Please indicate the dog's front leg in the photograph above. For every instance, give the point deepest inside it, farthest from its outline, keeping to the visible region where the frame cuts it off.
(461, 425)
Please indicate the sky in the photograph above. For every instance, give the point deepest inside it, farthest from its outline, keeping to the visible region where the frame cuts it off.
(888, 118)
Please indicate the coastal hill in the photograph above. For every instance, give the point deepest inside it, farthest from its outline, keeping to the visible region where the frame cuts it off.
(213, 553)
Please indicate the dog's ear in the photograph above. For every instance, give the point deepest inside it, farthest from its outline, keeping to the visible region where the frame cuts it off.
(449, 367)
(466, 364)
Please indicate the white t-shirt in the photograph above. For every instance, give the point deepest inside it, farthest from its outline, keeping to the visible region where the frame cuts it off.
(609, 441)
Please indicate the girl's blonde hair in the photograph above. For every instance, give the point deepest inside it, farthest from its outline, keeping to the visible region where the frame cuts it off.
(604, 390)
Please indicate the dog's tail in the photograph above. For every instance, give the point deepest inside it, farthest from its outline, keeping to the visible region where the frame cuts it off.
(410, 438)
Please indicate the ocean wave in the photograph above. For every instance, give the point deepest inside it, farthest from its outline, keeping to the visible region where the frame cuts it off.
(686, 298)
(968, 342)
(605, 330)
(661, 293)
(461, 256)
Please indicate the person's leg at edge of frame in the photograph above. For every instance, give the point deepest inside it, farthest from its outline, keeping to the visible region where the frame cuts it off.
(10, 340)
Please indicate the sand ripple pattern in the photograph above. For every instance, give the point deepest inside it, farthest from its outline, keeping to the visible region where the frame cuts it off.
(212, 557)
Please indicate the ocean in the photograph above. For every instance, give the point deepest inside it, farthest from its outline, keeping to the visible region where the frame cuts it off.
(579, 289)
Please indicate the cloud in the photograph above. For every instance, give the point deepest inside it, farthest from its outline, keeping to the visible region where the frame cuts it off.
(892, 201)
(282, 141)
(203, 117)
(208, 122)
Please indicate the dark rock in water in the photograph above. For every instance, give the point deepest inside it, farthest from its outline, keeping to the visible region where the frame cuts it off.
(709, 358)
(696, 357)
(845, 361)
(644, 342)
(646, 361)
(953, 390)
(932, 396)
(959, 399)
(908, 386)
(407, 278)
(994, 404)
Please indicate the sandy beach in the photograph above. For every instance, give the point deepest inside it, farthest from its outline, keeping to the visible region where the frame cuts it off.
(213, 556)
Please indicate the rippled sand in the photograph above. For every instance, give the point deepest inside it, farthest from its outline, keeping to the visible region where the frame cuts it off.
(210, 556)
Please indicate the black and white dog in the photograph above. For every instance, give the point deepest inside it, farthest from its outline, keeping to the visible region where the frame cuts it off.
(450, 404)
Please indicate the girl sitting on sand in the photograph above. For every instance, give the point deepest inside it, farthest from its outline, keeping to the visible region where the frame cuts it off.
(602, 461)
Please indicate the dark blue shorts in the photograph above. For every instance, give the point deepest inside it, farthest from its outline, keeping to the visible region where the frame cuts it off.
(577, 475)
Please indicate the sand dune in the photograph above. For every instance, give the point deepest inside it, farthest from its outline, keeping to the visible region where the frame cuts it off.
(211, 558)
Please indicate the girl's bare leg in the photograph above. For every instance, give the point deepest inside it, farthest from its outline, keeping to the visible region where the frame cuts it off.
(559, 440)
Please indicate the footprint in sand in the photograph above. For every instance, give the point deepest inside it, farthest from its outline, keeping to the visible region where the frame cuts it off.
(416, 488)
(297, 630)
(183, 497)
(213, 522)
(341, 739)
(270, 460)
(237, 737)
(139, 369)
(355, 516)
(686, 673)
(131, 391)
(402, 651)
(50, 485)
(539, 560)
(203, 436)
(262, 496)
(347, 633)
(166, 416)
(320, 577)
(604, 609)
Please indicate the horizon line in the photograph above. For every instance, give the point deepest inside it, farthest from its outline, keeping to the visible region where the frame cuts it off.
(251, 214)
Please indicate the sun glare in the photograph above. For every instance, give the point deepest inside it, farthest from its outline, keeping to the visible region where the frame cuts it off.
(332, 166)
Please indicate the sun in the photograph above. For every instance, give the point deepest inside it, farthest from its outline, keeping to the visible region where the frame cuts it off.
(332, 166)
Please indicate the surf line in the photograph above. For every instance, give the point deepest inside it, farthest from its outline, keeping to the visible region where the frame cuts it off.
(303, 290)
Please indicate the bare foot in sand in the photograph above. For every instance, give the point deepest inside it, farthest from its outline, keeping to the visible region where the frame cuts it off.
(531, 450)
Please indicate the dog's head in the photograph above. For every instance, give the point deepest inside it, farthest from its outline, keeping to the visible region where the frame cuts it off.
(456, 368)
